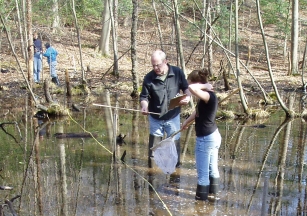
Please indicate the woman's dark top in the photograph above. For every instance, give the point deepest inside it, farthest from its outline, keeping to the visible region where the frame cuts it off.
(205, 116)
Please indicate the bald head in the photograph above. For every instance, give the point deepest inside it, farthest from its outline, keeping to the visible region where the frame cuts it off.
(158, 55)
(159, 63)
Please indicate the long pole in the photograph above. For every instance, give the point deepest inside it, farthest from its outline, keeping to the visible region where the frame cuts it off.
(124, 108)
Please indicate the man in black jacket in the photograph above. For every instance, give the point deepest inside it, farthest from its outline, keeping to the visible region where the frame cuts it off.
(160, 85)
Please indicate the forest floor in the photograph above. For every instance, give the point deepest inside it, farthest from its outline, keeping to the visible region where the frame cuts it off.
(98, 69)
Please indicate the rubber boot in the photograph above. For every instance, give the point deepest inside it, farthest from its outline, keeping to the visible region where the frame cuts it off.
(214, 185)
(177, 143)
(53, 79)
(153, 140)
(202, 192)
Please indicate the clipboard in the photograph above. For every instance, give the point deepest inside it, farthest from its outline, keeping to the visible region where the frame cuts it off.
(175, 101)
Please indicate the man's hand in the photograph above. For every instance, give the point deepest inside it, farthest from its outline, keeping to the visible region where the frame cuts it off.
(144, 107)
(144, 111)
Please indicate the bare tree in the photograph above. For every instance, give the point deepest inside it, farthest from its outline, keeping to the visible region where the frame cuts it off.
(31, 46)
(303, 66)
(24, 25)
(135, 77)
(114, 34)
(104, 47)
(20, 30)
(79, 41)
(158, 24)
(55, 17)
(242, 97)
(294, 37)
(284, 107)
(203, 29)
(230, 35)
(178, 35)
(210, 55)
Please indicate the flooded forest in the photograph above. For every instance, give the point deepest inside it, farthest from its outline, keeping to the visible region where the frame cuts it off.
(78, 145)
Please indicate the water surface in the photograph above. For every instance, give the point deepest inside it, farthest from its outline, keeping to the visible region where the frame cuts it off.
(261, 167)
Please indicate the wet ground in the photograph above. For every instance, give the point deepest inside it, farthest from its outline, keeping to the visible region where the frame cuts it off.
(261, 166)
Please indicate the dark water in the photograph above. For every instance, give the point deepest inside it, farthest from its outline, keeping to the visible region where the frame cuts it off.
(262, 168)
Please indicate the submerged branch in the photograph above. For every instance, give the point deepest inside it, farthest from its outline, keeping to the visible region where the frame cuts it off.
(15, 123)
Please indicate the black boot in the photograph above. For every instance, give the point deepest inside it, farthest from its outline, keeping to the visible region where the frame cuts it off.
(214, 185)
(177, 142)
(53, 79)
(202, 192)
(153, 140)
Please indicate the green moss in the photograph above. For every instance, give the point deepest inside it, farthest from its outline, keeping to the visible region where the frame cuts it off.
(226, 114)
(57, 110)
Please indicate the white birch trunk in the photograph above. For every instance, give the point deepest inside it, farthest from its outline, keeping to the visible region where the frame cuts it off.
(104, 46)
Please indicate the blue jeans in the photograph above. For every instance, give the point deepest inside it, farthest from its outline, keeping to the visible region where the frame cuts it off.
(37, 67)
(206, 154)
(159, 127)
(52, 68)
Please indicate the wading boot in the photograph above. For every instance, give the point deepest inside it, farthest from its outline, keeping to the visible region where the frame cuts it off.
(177, 143)
(153, 140)
(53, 79)
(214, 185)
(202, 192)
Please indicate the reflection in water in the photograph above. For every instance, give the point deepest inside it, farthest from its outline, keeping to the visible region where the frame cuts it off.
(38, 167)
(63, 181)
(262, 169)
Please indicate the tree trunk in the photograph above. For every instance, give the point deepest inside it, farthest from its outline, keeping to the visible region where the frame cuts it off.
(20, 31)
(25, 35)
(68, 85)
(104, 47)
(285, 50)
(31, 46)
(287, 111)
(135, 77)
(230, 36)
(56, 17)
(114, 35)
(79, 42)
(303, 66)
(242, 97)
(178, 36)
(210, 55)
(158, 24)
(47, 92)
(203, 30)
(294, 37)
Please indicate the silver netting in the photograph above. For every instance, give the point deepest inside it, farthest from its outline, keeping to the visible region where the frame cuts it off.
(165, 156)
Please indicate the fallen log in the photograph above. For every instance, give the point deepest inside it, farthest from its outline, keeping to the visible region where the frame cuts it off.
(74, 135)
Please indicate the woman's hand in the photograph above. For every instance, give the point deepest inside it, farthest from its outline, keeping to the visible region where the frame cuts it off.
(185, 101)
